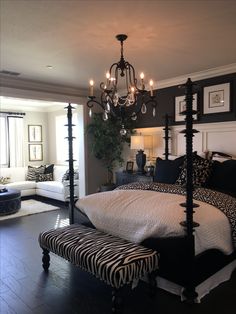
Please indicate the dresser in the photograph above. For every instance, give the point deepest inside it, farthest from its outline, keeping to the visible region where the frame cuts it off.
(123, 177)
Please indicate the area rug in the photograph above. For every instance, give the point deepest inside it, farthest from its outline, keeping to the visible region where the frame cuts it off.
(30, 207)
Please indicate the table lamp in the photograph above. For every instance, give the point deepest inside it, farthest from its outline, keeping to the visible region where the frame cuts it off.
(137, 142)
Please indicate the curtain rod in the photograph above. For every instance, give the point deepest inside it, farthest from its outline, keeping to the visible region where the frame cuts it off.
(14, 113)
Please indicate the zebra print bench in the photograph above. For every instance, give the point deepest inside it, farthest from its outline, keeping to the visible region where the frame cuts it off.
(115, 261)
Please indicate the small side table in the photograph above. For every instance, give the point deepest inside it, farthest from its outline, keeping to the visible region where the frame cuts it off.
(125, 177)
(10, 202)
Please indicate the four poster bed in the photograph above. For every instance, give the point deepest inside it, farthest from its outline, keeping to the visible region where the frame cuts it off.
(193, 228)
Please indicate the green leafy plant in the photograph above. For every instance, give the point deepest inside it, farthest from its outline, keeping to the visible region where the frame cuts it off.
(107, 142)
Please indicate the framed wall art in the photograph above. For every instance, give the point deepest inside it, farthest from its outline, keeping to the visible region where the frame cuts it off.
(35, 152)
(180, 105)
(35, 133)
(216, 98)
(129, 166)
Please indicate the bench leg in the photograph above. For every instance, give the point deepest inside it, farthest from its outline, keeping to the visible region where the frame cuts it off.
(116, 302)
(46, 259)
(152, 284)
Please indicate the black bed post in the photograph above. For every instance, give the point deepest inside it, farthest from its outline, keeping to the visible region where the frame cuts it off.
(189, 224)
(71, 162)
(166, 137)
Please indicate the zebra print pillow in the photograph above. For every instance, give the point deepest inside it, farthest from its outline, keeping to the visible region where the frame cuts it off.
(33, 173)
(66, 175)
(45, 177)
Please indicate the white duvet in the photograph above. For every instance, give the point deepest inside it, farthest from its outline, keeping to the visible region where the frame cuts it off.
(137, 214)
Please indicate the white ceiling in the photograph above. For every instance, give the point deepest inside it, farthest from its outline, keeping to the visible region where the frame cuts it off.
(167, 38)
(21, 104)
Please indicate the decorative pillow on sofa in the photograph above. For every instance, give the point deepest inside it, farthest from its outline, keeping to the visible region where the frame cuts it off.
(223, 177)
(201, 171)
(45, 177)
(4, 180)
(33, 173)
(49, 169)
(167, 171)
(66, 176)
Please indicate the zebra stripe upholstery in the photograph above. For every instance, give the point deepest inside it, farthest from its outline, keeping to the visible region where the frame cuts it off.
(111, 259)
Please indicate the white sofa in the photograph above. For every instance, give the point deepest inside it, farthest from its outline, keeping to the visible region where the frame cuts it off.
(55, 189)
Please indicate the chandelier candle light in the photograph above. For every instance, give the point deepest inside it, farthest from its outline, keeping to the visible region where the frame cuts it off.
(125, 99)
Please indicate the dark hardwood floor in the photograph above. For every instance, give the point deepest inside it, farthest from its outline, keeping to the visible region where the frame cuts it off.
(26, 289)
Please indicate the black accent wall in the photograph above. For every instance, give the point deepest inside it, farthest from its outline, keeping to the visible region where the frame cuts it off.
(166, 103)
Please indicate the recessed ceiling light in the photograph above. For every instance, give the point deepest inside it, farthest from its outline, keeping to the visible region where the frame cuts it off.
(49, 66)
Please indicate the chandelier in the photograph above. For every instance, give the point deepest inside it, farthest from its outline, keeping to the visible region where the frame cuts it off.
(121, 93)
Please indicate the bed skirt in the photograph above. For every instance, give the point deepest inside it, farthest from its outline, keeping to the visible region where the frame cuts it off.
(205, 287)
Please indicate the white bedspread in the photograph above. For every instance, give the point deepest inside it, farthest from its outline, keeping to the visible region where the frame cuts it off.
(136, 215)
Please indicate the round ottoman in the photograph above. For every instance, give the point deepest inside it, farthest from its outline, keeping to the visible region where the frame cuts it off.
(10, 201)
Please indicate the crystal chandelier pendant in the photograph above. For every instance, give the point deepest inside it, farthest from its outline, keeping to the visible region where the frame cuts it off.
(143, 108)
(105, 116)
(108, 108)
(154, 112)
(123, 131)
(90, 113)
(116, 99)
(122, 94)
(134, 116)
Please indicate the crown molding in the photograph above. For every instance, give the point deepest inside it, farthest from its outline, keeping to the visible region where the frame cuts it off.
(17, 83)
(196, 76)
(10, 83)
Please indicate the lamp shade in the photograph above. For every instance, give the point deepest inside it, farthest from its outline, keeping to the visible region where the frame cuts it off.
(148, 142)
(137, 142)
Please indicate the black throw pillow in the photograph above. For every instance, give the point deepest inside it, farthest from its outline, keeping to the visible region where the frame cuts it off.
(49, 169)
(167, 171)
(223, 177)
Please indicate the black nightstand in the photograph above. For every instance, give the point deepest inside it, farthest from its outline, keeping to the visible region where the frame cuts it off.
(126, 177)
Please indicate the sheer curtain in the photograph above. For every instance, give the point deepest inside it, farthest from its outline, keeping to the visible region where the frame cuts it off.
(16, 141)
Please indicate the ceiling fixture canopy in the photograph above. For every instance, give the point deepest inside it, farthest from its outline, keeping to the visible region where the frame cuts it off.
(121, 93)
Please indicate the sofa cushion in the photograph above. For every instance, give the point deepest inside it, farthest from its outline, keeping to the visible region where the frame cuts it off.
(49, 168)
(52, 186)
(14, 173)
(45, 177)
(58, 172)
(22, 185)
(66, 175)
(33, 172)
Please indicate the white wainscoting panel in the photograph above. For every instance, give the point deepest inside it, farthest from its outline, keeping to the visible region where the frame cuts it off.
(219, 136)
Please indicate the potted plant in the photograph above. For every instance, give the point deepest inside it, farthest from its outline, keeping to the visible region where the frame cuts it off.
(107, 143)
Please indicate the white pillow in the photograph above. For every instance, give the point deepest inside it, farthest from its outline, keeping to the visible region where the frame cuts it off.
(220, 159)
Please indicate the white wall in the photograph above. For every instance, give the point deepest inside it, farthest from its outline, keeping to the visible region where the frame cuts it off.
(36, 118)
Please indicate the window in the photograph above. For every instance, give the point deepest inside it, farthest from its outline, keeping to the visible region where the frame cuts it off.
(11, 150)
(4, 142)
(62, 141)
